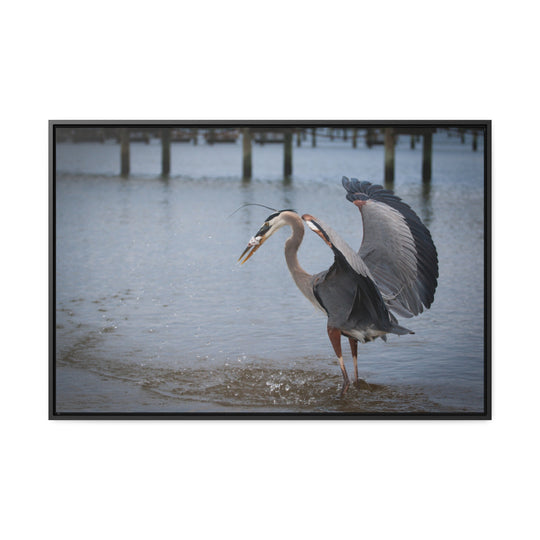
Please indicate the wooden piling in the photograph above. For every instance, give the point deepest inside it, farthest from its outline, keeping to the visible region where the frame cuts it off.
(124, 151)
(475, 141)
(314, 137)
(287, 153)
(355, 138)
(298, 139)
(412, 142)
(370, 137)
(426, 157)
(389, 156)
(195, 135)
(165, 151)
(246, 154)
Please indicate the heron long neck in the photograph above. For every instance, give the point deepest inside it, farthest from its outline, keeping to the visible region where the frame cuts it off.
(300, 276)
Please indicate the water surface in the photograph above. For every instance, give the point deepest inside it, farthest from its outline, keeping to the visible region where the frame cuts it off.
(154, 315)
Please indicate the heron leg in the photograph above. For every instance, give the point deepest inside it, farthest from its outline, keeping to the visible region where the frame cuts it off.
(335, 338)
(354, 351)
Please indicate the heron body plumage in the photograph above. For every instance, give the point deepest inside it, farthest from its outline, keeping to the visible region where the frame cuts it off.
(395, 269)
(353, 303)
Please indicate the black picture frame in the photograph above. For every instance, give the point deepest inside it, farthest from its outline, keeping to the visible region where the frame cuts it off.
(420, 126)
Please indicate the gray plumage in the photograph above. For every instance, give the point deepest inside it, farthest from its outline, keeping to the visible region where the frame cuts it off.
(395, 269)
(396, 247)
(348, 293)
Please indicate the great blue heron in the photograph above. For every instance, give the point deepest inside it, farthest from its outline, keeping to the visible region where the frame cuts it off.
(395, 269)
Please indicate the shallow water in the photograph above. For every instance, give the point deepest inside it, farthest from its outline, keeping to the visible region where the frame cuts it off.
(154, 315)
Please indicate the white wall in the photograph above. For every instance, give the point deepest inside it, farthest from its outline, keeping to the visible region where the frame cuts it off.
(435, 479)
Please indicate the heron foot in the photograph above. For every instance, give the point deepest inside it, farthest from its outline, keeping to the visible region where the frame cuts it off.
(344, 388)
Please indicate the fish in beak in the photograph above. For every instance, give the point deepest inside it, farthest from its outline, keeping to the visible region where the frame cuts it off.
(256, 242)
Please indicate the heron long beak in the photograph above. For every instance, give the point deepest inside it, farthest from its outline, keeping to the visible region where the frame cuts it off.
(254, 244)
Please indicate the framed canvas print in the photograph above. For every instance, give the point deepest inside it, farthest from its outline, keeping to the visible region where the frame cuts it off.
(233, 269)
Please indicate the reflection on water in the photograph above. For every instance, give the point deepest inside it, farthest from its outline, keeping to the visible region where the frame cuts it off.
(154, 315)
(427, 211)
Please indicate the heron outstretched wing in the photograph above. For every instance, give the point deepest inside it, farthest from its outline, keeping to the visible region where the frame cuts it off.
(396, 248)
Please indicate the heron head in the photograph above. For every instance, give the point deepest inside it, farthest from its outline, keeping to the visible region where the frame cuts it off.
(271, 224)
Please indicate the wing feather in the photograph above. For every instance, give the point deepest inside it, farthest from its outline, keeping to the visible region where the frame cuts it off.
(397, 248)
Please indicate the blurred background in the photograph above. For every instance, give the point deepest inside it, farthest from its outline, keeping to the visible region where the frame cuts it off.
(154, 315)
